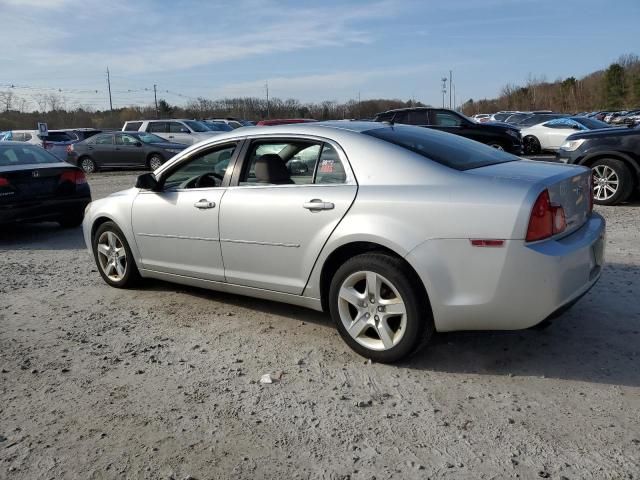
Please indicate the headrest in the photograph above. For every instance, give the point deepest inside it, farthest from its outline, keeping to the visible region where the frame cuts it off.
(270, 168)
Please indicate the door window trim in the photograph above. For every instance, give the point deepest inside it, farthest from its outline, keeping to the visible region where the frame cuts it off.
(243, 158)
(173, 166)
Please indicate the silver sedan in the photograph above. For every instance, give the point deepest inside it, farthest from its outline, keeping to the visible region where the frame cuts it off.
(397, 231)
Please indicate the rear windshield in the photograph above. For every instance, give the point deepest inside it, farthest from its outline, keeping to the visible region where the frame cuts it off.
(591, 123)
(11, 155)
(132, 126)
(450, 150)
(57, 137)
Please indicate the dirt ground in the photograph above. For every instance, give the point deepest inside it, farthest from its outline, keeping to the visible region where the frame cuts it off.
(163, 381)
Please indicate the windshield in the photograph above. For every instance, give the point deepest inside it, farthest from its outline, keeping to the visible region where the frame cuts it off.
(151, 138)
(24, 155)
(218, 127)
(452, 151)
(591, 123)
(197, 126)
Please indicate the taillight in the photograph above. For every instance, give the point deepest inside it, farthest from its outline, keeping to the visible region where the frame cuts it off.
(73, 176)
(4, 182)
(546, 219)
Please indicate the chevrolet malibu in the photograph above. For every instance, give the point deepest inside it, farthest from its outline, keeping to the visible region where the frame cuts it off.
(397, 231)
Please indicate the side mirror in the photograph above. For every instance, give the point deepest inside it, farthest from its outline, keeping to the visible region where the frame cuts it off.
(147, 181)
(138, 144)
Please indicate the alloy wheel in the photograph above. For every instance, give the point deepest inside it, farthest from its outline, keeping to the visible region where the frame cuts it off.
(112, 256)
(87, 165)
(372, 310)
(605, 182)
(155, 162)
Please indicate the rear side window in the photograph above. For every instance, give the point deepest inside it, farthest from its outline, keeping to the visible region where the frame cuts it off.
(103, 140)
(131, 127)
(452, 151)
(24, 155)
(175, 127)
(157, 127)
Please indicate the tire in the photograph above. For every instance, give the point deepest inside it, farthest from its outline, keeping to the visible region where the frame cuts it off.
(124, 276)
(362, 323)
(71, 220)
(531, 145)
(87, 165)
(612, 181)
(154, 162)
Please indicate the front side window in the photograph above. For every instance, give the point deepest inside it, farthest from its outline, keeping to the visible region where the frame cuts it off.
(104, 140)
(418, 117)
(126, 140)
(176, 127)
(204, 170)
(157, 127)
(446, 119)
(295, 162)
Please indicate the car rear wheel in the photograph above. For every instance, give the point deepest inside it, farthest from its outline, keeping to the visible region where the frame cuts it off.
(531, 145)
(612, 181)
(113, 256)
(88, 165)
(155, 161)
(377, 307)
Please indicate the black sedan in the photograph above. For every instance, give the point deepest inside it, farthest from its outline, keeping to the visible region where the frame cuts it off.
(614, 157)
(35, 186)
(122, 150)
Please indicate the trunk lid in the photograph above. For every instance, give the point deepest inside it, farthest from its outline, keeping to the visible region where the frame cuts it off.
(34, 183)
(569, 185)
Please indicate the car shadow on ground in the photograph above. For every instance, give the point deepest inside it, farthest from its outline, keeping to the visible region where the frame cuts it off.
(40, 236)
(597, 341)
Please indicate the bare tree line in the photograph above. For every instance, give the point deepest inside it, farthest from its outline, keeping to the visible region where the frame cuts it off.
(616, 88)
(52, 108)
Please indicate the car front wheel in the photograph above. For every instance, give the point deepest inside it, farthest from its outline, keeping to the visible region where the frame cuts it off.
(378, 308)
(155, 161)
(87, 165)
(113, 256)
(612, 181)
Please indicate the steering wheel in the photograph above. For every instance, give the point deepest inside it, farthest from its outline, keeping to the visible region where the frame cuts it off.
(202, 181)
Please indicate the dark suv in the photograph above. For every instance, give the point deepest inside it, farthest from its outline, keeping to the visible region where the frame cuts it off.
(502, 136)
(614, 157)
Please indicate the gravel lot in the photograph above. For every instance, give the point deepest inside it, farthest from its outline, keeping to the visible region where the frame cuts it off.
(162, 382)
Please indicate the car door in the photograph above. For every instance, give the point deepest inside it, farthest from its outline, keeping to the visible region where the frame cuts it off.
(176, 228)
(179, 133)
(450, 122)
(556, 132)
(272, 229)
(159, 128)
(129, 151)
(103, 150)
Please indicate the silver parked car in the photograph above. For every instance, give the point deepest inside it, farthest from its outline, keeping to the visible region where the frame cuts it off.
(397, 231)
(182, 131)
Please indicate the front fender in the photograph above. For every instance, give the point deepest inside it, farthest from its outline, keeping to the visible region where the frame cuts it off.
(115, 208)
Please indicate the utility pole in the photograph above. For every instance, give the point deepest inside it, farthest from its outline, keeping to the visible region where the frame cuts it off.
(455, 104)
(444, 89)
(266, 86)
(359, 110)
(155, 98)
(450, 87)
(109, 86)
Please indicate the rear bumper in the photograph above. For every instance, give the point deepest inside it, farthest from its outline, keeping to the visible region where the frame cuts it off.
(512, 287)
(40, 211)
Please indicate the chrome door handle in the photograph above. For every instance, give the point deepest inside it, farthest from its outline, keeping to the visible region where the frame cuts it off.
(204, 203)
(317, 204)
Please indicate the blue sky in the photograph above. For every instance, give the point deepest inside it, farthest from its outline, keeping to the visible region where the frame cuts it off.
(312, 51)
